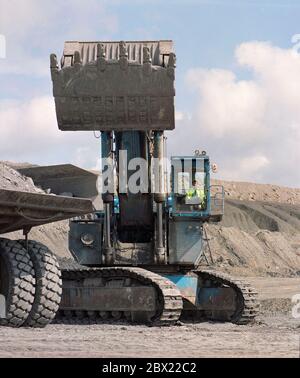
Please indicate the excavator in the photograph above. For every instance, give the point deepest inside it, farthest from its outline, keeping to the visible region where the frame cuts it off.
(139, 256)
(138, 229)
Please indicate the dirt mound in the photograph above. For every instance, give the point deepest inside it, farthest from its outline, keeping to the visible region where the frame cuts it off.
(10, 179)
(17, 166)
(246, 191)
(255, 216)
(260, 232)
(259, 238)
(261, 253)
(54, 236)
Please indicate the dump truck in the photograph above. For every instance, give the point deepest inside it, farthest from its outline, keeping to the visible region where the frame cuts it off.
(30, 277)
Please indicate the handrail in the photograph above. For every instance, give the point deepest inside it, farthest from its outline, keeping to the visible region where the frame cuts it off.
(217, 199)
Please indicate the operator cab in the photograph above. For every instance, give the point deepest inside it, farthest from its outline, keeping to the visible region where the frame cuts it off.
(193, 202)
(190, 186)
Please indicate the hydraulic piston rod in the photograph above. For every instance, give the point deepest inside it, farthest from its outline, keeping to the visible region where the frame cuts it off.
(160, 196)
(107, 193)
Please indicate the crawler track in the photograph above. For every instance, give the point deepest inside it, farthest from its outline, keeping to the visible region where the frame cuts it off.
(169, 303)
(247, 297)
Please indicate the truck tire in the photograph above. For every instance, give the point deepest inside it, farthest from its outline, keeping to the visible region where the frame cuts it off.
(17, 282)
(48, 289)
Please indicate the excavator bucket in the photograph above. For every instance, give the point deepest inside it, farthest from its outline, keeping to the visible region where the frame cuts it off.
(22, 210)
(110, 86)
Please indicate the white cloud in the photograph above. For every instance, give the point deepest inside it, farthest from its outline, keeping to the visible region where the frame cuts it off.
(53, 22)
(254, 163)
(179, 116)
(20, 17)
(237, 108)
(249, 166)
(29, 132)
(182, 116)
(252, 126)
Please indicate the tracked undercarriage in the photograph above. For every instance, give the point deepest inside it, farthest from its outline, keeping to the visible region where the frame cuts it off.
(141, 296)
(135, 294)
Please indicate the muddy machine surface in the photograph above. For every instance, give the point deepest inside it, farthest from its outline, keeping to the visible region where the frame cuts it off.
(139, 256)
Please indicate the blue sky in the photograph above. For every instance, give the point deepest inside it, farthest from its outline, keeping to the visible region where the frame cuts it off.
(217, 43)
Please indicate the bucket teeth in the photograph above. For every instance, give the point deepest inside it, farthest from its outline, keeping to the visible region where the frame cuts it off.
(54, 67)
(123, 56)
(172, 61)
(146, 55)
(53, 62)
(123, 50)
(101, 57)
(77, 59)
(147, 61)
(172, 66)
(101, 51)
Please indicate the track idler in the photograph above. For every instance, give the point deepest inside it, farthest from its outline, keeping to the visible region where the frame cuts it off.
(221, 297)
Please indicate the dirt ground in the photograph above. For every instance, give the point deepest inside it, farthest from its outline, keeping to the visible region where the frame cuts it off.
(275, 334)
(273, 337)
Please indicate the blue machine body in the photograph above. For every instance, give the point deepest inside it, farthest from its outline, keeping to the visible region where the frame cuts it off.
(199, 297)
(184, 221)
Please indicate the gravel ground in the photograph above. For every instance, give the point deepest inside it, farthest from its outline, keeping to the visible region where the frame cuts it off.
(277, 336)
